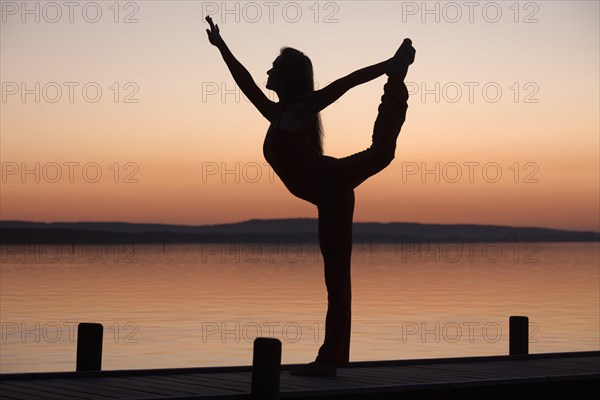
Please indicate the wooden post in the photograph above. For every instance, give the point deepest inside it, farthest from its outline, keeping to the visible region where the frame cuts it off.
(518, 342)
(266, 366)
(89, 347)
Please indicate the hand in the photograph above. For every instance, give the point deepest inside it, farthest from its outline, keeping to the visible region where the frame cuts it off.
(214, 37)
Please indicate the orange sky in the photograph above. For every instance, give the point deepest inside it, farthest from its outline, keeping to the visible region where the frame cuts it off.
(164, 134)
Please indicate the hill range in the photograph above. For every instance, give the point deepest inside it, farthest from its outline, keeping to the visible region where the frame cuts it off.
(297, 230)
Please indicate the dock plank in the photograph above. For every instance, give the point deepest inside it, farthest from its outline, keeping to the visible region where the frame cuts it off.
(193, 386)
(196, 382)
(93, 387)
(42, 390)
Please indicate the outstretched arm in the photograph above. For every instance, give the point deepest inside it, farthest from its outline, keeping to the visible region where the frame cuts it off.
(320, 99)
(241, 75)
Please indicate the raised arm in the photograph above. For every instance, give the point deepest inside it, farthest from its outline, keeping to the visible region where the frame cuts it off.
(241, 75)
(320, 99)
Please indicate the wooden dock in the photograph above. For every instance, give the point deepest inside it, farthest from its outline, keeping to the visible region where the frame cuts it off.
(536, 376)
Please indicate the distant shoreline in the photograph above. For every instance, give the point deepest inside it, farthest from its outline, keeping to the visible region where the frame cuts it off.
(296, 230)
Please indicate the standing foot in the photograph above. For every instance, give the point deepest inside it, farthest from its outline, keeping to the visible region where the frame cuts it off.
(315, 369)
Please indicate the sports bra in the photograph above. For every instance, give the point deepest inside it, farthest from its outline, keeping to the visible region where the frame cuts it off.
(282, 148)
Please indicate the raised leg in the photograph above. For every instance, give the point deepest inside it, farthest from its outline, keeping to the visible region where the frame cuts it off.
(336, 175)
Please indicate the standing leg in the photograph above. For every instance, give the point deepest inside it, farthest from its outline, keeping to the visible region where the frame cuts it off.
(335, 240)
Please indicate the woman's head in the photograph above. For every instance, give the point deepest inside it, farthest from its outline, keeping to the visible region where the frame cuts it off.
(291, 75)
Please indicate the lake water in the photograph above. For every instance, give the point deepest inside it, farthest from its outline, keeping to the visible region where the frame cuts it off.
(202, 305)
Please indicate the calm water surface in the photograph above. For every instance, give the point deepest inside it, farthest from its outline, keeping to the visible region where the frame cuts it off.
(202, 305)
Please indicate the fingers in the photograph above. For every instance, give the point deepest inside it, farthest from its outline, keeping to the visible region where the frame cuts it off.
(213, 28)
(210, 22)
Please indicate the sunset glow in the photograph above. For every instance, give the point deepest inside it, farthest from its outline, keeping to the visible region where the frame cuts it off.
(139, 120)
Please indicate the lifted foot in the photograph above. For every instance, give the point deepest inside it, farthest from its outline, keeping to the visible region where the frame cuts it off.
(398, 65)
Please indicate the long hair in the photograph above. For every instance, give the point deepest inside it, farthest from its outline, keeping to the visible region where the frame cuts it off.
(298, 80)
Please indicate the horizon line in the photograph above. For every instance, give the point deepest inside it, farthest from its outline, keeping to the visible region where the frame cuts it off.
(293, 218)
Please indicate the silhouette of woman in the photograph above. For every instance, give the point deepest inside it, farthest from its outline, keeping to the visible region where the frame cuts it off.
(293, 147)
